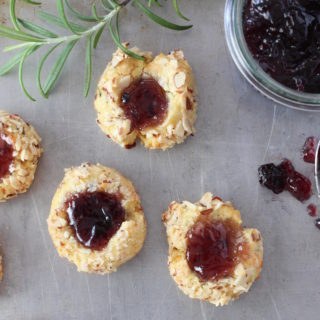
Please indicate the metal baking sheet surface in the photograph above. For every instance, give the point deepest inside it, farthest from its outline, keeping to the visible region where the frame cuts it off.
(237, 130)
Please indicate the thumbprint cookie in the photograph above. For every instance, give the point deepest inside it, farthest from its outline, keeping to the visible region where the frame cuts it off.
(96, 219)
(154, 100)
(19, 154)
(211, 256)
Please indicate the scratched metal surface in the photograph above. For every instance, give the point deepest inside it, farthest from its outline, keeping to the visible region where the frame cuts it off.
(237, 130)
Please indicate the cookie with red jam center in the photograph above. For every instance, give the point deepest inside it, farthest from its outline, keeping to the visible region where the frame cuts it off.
(211, 256)
(153, 100)
(96, 219)
(20, 151)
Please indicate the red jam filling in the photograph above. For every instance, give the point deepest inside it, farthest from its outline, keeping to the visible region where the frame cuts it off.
(283, 37)
(214, 248)
(285, 177)
(95, 217)
(144, 103)
(6, 156)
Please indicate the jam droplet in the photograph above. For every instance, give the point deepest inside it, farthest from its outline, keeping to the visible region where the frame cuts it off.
(6, 156)
(297, 184)
(95, 217)
(144, 103)
(285, 177)
(214, 248)
(283, 37)
(309, 150)
(312, 210)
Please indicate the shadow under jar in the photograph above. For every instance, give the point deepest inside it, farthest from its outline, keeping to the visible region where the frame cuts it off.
(276, 46)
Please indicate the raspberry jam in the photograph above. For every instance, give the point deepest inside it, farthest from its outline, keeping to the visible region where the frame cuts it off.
(309, 150)
(285, 177)
(144, 103)
(6, 156)
(94, 217)
(214, 248)
(283, 37)
(312, 210)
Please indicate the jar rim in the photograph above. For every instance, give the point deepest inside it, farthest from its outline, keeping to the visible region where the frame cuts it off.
(251, 69)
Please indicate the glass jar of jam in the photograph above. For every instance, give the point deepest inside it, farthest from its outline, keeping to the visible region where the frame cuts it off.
(276, 46)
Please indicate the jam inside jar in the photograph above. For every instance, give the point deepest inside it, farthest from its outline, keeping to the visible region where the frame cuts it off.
(144, 103)
(94, 217)
(283, 36)
(214, 248)
(6, 156)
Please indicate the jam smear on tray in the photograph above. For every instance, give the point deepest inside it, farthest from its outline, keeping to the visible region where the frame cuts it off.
(6, 156)
(144, 103)
(214, 248)
(285, 177)
(95, 217)
(312, 210)
(309, 150)
(283, 36)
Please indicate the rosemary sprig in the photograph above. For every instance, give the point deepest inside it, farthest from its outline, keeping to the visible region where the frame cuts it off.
(31, 36)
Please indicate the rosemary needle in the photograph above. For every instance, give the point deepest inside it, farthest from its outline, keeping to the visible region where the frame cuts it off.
(31, 36)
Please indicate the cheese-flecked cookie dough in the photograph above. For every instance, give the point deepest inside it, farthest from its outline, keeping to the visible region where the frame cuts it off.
(96, 219)
(19, 154)
(154, 100)
(218, 270)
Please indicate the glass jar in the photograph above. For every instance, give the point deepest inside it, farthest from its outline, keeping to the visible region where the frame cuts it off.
(251, 70)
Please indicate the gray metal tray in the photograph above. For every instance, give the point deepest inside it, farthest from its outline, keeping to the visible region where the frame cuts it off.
(237, 130)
